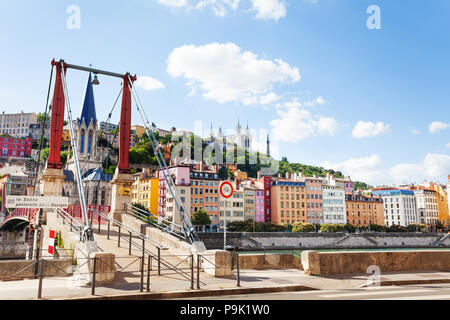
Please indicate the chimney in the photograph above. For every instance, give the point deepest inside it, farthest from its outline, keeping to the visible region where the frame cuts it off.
(259, 175)
(288, 175)
(238, 184)
(279, 175)
(201, 165)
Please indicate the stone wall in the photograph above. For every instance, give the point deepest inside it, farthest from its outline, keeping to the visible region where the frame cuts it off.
(287, 240)
(12, 245)
(269, 261)
(328, 263)
(57, 267)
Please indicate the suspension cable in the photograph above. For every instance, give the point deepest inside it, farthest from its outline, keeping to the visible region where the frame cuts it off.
(41, 142)
(88, 233)
(183, 215)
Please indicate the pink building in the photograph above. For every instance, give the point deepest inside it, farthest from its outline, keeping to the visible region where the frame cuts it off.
(180, 176)
(259, 205)
(15, 147)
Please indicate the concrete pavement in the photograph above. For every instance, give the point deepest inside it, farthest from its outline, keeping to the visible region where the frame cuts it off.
(422, 292)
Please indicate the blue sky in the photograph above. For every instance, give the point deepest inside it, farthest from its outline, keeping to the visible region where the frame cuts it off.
(306, 70)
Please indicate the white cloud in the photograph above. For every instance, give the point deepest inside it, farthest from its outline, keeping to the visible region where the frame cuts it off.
(149, 83)
(269, 9)
(369, 129)
(448, 145)
(295, 124)
(264, 9)
(269, 98)
(433, 167)
(174, 3)
(226, 73)
(368, 169)
(437, 126)
(414, 131)
(295, 103)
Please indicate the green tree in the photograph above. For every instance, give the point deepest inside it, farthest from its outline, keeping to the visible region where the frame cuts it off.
(223, 173)
(303, 227)
(201, 218)
(44, 154)
(40, 117)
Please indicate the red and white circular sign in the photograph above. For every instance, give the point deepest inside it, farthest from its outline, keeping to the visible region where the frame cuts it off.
(226, 189)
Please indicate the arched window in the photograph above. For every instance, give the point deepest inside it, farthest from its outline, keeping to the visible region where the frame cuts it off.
(89, 150)
(82, 134)
(103, 199)
(95, 196)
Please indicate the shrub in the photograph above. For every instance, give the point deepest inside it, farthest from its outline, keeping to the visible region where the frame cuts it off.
(332, 227)
(303, 227)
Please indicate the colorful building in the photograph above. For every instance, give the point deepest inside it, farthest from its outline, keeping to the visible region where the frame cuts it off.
(15, 147)
(442, 202)
(288, 199)
(167, 207)
(314, 199)
(259, 205)
(362, 210)
(205, 192)
(145, 190)
(138, 130)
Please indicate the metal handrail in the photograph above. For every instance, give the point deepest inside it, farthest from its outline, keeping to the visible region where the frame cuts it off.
(163, 224)
(121, 225)
(75, 224)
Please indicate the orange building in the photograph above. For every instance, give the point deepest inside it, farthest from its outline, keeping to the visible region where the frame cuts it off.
(442, 203)
(205, 193)
(288, 199)
(363, 210)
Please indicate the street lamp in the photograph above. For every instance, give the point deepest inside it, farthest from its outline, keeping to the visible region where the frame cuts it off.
(95, 80)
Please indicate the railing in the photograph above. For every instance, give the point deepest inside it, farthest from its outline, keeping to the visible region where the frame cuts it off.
(73, 223)
(162, 224)
(140, 246)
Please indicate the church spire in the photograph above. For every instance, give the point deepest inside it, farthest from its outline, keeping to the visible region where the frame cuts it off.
(88, 111)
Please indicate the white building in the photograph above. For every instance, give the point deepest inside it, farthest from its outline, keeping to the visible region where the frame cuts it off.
(334, 210)
(17, 125)
(400, 206)
(427, 207)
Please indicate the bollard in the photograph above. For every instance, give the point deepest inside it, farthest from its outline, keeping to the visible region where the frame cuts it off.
(41, 277)
(198, 271)
(118, 239)
(109, 225)
(238, 273)
(192, 272)
(99, 221)
(129, 246)
(159, 262)
(93, 277)
(149, 268)
(141, 288)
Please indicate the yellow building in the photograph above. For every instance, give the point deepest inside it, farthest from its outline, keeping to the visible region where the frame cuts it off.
(66, 135)
(442, 203)
(138, 130)
(241, 175)
(145, 191)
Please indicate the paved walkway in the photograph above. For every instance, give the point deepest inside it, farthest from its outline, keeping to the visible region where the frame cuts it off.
(170, 282)
(54, 288)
